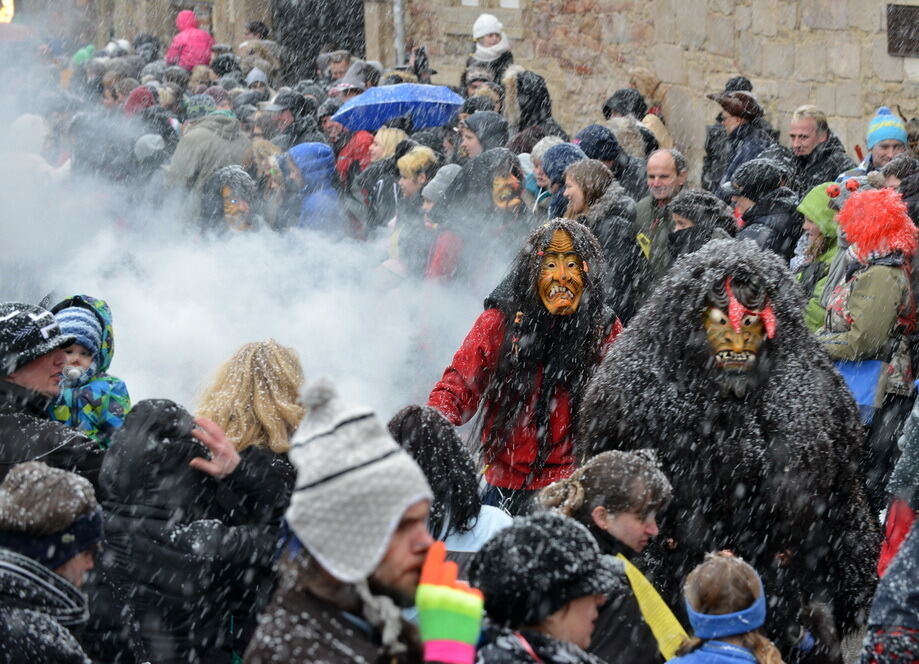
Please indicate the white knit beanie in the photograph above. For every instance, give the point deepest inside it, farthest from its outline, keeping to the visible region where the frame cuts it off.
(354, 484)
(486, 24)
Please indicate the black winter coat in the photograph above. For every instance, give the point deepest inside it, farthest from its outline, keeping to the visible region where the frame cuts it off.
(175, 566)
(621, 635)
(774, 222)
(37, 608)
(745, 143)
(632, 174)
(503, 646)
(302, 130)
(26, 434)
(824, 164)
(611, 219)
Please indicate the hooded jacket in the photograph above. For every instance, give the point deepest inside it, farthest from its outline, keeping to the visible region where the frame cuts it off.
(37, 609)
(489, 127)
(827, 161)
(179, 545)
(612, 219)
(98, 402)
(192, 46)
(774, 223)
(214, 142)
(775, 471)
(527, 103)
(319, 207)
(814, 275)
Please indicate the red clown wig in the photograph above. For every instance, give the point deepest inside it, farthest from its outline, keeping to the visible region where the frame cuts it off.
(876, 222)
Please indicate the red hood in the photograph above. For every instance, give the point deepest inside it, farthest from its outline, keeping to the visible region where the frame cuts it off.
(186, 19)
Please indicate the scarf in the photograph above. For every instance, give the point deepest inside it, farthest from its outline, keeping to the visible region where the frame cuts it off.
(492, 53)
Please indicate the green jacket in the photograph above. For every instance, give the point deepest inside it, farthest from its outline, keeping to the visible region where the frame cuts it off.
(814, 276)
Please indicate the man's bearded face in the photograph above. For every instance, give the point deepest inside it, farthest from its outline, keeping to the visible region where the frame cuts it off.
(561, 276)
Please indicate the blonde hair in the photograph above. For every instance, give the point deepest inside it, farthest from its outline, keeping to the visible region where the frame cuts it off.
(261, 151)
(199, 74)
(416, 161)
(255, 396)
(388, 138)
(724, 584)
(811, 111)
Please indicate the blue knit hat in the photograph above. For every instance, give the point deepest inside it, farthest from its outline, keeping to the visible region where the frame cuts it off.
(83, 324)
(598, 142)
(884, 126)
(557, 160)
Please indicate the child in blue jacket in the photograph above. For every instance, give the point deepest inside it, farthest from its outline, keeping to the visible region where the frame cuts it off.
(91, 400)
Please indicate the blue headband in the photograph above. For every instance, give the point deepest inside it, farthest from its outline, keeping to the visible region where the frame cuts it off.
(709, 626)
(54, 550)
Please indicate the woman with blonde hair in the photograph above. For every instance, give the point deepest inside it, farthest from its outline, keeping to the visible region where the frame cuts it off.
(255, 399)
(726, 603)
(384, 143)
(617, 496)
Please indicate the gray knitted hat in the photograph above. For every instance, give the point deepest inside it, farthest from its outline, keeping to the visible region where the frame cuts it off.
(354, 484)
(434, 190)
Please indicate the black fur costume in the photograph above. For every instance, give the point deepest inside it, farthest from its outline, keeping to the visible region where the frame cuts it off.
(772, 476)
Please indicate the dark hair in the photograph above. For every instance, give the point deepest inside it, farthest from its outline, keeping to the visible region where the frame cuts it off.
(593, 177)
(562, 348)
(626, 101)
(445, 461)
(618, 481)
(524, 141)
(258, 29)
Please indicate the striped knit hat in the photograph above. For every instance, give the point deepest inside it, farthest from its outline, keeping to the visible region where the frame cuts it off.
(354, 484)
(83, 324)
(884, 126)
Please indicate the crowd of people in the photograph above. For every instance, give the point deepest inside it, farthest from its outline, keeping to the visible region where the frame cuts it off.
(692, 425)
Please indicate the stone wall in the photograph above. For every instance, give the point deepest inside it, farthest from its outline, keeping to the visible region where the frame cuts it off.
(832, 53)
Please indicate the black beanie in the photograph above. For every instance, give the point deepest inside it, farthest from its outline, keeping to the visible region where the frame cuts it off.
(539, 564)
(755, 179)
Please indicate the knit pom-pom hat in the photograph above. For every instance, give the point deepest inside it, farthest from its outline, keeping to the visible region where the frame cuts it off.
(876, 222)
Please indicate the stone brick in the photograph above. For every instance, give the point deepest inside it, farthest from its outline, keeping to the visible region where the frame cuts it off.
(723, 6)
(616, 29)
(849, 99)
(825, 14)
(719, 35)
(788, 15)
(665, 29)
(843, 60)
(668, 63)
(765, 17)
(743, 18)
(865, 15)
(778, 58)
(911, 68)
(793, 94)
(690, 16)
(825, 98)
(886, 67)
(810, 60)
(751, 55)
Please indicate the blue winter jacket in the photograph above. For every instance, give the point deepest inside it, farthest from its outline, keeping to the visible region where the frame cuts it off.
(98, 402)
(745, 143)
(320, 208)
(717, 652)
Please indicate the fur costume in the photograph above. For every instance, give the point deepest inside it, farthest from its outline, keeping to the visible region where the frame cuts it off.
(772, 476)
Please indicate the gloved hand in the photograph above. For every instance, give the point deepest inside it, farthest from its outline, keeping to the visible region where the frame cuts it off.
(449, 611)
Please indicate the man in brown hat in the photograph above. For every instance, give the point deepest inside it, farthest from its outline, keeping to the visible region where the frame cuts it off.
(740, 112)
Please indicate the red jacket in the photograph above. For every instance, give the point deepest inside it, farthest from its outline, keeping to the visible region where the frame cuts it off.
(459, 393)
(900, 519)
(357, 149)
(191, 46)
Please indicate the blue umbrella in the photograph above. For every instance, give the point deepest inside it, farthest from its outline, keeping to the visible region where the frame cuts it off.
(429, 105)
